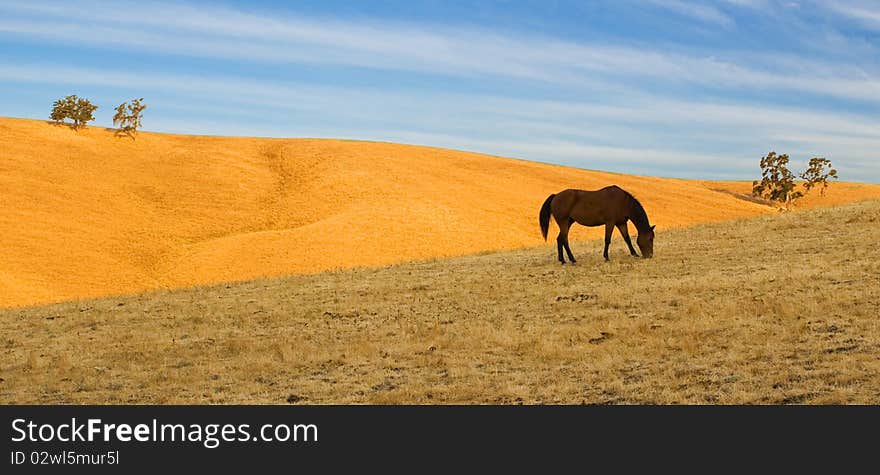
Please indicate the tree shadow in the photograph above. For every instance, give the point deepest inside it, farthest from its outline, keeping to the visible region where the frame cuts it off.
(69, 125)
(121, 132)
(745, 197)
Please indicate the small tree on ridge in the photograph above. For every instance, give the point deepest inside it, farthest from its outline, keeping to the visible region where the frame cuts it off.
(128, 117)
(75, 108)
(816, 174)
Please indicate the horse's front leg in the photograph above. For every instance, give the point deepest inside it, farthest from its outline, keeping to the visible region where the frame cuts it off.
(624, 231)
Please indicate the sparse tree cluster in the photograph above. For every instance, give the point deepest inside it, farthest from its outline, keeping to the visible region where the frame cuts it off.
(77, 109)
(128, 117)
(779, 184)
(80, 111)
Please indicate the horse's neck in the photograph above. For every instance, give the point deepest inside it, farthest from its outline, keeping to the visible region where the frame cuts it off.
(639, 217)
(641, 226)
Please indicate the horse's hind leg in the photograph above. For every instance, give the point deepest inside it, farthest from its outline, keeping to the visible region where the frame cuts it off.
(559, 246)
(567, 247)
(609, 228)
(562, 240)
(624, 231)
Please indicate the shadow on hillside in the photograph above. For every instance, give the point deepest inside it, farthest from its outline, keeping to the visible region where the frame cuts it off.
(744, 197)
(114, 131)
(62, 124)
(119, 132)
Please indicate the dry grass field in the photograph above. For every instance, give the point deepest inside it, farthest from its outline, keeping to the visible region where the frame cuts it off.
(765, 310)
(88, 214)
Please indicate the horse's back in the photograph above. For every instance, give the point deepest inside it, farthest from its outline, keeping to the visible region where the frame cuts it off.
(590, 207)
(609, 196)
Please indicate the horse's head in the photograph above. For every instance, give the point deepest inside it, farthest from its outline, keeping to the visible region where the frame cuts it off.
(646, 242)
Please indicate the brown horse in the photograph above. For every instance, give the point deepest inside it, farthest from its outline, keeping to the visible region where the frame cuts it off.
(611, 206)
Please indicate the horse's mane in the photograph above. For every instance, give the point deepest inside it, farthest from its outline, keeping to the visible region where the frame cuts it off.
(637, 213)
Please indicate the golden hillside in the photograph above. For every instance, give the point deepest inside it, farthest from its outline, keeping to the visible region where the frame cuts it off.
(88, 214)
(762, 310)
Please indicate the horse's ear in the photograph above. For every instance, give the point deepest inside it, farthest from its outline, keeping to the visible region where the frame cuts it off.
(652, 227)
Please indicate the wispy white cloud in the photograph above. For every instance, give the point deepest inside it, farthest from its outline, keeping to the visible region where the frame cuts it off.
(224, 33)
(867, 14)
(749, 3)
(699, 11)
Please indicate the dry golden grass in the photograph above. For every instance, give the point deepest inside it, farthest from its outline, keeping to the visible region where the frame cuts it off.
(767, 310)
(87, 214)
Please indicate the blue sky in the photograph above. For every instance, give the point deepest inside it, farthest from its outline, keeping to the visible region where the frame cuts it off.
(692, 89)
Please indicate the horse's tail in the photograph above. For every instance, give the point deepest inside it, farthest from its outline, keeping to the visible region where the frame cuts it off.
(544, 217)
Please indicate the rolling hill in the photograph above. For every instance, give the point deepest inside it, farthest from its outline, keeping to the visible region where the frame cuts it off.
(762, 310)
(87, 214)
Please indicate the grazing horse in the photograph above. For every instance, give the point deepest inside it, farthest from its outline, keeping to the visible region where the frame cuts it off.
(611, 206)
